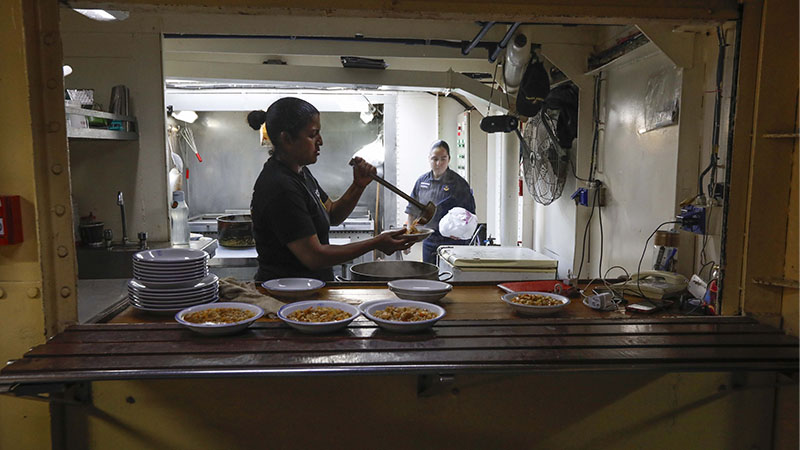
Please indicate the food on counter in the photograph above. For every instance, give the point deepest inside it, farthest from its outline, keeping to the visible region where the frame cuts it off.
(535, 300)
(217, 316)
(319, 314)
(404, 314)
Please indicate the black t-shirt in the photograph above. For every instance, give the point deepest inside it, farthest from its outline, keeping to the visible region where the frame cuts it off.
(287, 206)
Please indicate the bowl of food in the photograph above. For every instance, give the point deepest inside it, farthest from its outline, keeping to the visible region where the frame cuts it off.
(403, 316)
(419, 233)
(536, 303)
(219, 318)
(293, 287)
(318, 316)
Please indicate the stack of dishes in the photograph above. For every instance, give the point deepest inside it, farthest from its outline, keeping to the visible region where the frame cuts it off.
(170, 279)
(420, 290)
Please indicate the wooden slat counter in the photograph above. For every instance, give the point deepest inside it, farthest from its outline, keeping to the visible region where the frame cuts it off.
(480, 334)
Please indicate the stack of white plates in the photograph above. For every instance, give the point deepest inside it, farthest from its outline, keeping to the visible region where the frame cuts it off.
(166, 298)
(170, 265)
(420, 290)
(171, 279)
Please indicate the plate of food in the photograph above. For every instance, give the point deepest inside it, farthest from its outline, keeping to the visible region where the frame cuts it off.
(219, 318)
(534, 303)
(318, 316)
(403, 316)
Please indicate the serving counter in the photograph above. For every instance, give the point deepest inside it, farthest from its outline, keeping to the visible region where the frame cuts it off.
(481, 378)
(478, 334)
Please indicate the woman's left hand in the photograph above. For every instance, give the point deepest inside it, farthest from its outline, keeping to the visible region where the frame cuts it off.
(362, 172)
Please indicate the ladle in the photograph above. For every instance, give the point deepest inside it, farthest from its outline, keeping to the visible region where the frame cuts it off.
(428, 210)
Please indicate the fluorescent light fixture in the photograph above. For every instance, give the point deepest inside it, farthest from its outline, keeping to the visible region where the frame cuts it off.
(186, 116)
(103, 15)
(67, 69)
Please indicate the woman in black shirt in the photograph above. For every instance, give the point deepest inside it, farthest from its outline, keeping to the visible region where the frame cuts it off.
(291, 213)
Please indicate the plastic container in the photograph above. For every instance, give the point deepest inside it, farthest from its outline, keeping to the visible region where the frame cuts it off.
(179, 218)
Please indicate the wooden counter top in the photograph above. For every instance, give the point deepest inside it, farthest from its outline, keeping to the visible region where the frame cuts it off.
(479, 334)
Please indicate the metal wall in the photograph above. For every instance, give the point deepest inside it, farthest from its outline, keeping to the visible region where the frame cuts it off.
(233, 158)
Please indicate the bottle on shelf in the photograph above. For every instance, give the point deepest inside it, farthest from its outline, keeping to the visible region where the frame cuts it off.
(179, 218)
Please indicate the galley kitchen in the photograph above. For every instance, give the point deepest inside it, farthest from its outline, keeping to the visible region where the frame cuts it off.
(492, 226)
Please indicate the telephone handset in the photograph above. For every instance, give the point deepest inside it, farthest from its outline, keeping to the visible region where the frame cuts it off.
(655, 284)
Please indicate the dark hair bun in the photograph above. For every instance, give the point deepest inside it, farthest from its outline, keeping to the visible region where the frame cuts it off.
(256, 118)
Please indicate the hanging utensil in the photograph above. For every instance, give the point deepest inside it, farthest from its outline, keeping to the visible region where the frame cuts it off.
(428, 210)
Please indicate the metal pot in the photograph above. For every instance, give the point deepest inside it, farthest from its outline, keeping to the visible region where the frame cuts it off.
(235, 231)
(396, 270)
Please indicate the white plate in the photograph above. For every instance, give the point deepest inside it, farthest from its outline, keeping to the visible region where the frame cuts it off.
(161, 311)
(292, 287)
(170, 255)
(533, 310)
(176, 299)
(170, 272)
(171, 284)
(420, 296)
(219, 329)
(161, 306)
(318, 327)
(199, 284)
(422, 233)
(402, 327)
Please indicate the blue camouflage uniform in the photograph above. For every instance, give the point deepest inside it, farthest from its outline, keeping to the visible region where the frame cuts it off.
(448, 192)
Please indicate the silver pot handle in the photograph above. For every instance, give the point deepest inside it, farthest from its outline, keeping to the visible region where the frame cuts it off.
(448, 274)
(339, 278)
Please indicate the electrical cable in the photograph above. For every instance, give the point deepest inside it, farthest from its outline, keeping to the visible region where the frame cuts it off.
(639, 267)
(494, 78)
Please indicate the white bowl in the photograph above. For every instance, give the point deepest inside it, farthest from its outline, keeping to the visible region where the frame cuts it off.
(422, 233)
(533, 310)
(292, 287)
(420, 296)
(219, 329)
(402, 327)
(420, 286)
(318, 327)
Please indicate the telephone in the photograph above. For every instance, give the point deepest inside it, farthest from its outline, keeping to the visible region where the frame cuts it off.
(656, 284)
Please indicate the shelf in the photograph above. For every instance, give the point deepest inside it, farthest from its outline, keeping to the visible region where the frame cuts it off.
(99, 133)
(100, 114)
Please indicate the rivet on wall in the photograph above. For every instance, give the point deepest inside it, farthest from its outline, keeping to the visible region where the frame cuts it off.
(57, 169)
(60, 210)
(33, 292)
(49, 38)
(65, 291)
(53, 127)
(62, 251)
(51, 84)
(2, 293)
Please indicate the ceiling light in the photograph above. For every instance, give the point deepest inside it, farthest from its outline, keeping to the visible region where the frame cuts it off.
(103, 15)
(186, 116)
(67, 69)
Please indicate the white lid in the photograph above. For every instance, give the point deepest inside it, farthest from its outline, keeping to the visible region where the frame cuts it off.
(495, 257)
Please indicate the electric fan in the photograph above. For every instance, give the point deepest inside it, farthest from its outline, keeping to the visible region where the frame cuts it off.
(545, 162)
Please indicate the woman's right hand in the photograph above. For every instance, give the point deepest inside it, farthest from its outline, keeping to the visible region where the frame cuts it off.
(392, 241)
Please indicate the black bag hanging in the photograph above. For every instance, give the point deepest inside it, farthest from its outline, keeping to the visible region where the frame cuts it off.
(533, 89)
(564, 98)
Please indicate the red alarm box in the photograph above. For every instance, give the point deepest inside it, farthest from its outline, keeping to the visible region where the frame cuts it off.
(10, 220)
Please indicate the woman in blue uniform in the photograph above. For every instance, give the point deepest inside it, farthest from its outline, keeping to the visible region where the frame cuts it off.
(291, 212)
(447, 190)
